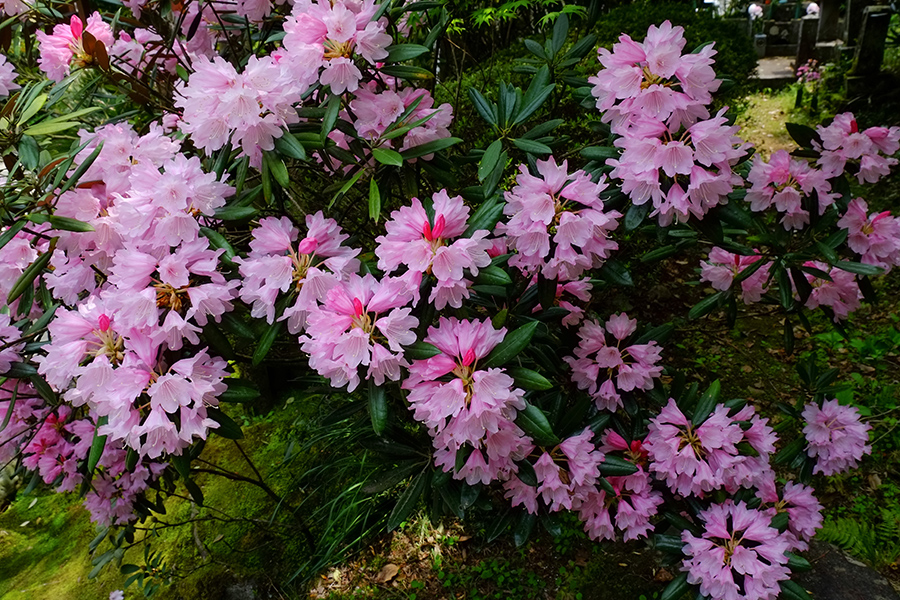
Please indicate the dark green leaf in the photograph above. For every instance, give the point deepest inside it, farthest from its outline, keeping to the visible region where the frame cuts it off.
(386, 156)
(614, 466)
(266, 341)
(489, 160)
(534, 423)
(792, 591)
(615, 272)
(797, 563)
(407, 502)
(705, 306)
(67, 224)
(676, 588)
(26, 279)
(239, 391)
(707, 403)
(523, 527)
(97, 446)
(858, 268)
(429, 148)
(528, 379)
(512, 344)
(492, 276)
(404, 52)
(408, 72)
(601, 154)
(802, 134)
(420, 351)
(288, 145)
(227, 428)
(378, 409)
(531, 146)
(374, 200)
(487, 110)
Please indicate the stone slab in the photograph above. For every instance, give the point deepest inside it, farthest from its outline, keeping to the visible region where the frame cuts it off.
(836, 576)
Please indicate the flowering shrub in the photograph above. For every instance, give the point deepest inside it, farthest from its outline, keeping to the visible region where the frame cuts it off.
(132, 261)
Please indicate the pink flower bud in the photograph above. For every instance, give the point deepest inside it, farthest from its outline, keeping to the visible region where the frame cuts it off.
(103, 320)
(357, 307)
(426, 231)
(468, 357)
(439, 225)
(307, 245)
(76, 26)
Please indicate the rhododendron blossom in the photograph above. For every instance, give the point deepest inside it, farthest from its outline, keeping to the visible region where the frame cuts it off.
(836, 437)
(7, 77)
(425, 247)
(842, 294)
(693, 459)
(875, 237)
(787, 183)
(350, 329)
(842, 141)
(653, 79)
(569, 206)
(278, 264)
(723, 267)
(65, 46)
(605, 370)
(804, 511)
(739, 556)
(475, 408)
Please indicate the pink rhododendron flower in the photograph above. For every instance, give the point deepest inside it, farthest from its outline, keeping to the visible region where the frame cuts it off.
(723, 267)
(251, 109)
(875, 237)
(605, 370)
(842, 294)
(435, 247)
(683, 174)
(836, 437)
(804, 511)
(475, 408)
(7, 77)
(347, 330)
(64, 47)
(842, 141)
(739, 556)
(785, 183)
(653, 79)
(693, 459)
(277, 264)
(568, 205)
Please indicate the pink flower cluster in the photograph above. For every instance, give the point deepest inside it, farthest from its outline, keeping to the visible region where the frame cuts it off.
(61, 442)
(653, 79)
(65, 47)
(842, 294)
(803, 510)
(250, 109)
(624, 369)
(683, 173)
(331, 34)
(473, 409)
(739, 556)
(634, 500)
(434, 247)
(351, 327)
(114, 351)
(7, 77)
(842, 141)
(723, 267)
(278, 264)
(786, 184)
(568, 205)
(875, 237)
(836, 437)
(566, 476)
(694, 459)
